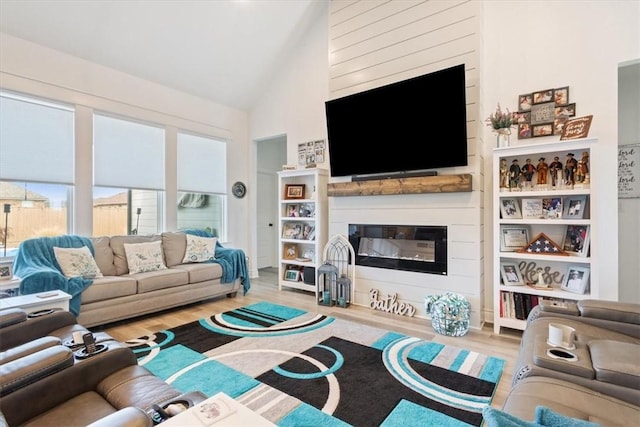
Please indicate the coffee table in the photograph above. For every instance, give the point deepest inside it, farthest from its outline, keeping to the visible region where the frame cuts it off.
(240, 417)
(40, 301)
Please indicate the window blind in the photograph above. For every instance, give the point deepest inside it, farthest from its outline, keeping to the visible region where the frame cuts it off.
(202, 164)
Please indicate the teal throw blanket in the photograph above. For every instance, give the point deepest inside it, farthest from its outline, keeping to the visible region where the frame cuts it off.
(232, 261)
(39, 271)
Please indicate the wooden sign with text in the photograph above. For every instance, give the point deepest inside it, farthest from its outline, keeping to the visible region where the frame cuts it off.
(576, 128)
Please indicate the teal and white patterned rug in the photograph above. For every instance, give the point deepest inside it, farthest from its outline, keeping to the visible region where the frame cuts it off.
(303, 369)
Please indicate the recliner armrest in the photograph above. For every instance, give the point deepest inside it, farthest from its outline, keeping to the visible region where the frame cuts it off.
(125, 417)
(28, 348)
(35, 366)
(36, 327)
(11, 316)
(610, 310)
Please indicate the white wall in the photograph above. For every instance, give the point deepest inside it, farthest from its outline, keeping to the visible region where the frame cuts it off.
(33, 69)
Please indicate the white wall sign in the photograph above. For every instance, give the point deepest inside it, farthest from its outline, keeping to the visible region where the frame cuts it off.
(629, 171)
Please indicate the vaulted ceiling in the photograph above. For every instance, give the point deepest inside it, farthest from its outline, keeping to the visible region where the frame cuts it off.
(221, 50)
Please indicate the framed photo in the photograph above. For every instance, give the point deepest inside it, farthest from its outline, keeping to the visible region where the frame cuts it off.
(292, 275)
(576, 240)
(524, 102)
(543, 96)
(510, 209)
(307, 210)
(558, 124)
(291, 230)
(565, 111)
(552, 207)
(522, 117)
(532, 208)
(293, 210)
(289, 251)
(6, 270)
(511, 275)
(574, 207)
(513, 238)
(294, 191)
(524, 131)
(308, 232)
(576, 280)
(561, 95)
(542, 130)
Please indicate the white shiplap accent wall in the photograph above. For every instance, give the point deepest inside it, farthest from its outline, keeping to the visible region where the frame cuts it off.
(374, 43)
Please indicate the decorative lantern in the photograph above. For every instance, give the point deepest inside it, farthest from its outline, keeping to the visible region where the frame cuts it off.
(326, 283)
(344, 291)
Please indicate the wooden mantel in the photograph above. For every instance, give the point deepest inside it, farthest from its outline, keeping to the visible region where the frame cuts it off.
(457, 183)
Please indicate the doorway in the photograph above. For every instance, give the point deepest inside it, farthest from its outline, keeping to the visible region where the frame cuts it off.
(271, 155)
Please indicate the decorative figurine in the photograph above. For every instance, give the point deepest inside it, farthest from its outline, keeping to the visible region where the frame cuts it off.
(514, 174)
(504, 174)
(542, 169)
(570, 167)
(528, 170)
(584, 165)
(555, 167)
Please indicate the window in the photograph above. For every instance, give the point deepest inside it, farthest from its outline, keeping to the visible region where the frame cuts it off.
(202, 183)
(128, 160)
(36, 168)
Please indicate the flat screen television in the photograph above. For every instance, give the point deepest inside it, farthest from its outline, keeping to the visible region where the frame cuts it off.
(417, 124)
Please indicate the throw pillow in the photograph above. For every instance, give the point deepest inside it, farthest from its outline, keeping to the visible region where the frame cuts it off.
(77, 262)
(143, 257)
(200, 249)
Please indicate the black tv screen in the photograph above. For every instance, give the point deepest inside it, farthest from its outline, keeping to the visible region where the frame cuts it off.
(412, 125)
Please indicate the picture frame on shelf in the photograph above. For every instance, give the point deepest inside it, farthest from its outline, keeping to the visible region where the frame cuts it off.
(294, 191)
(292, 275)
(308, 232)
(6, 270)
(552, 207)
(511, 275)
(293, 211)
(510, 208)
(574, 207)
(576, 240)
(289, 251)
(291, 230)
(307, 210)
(576, 280)
(513, 238)
(532, 208)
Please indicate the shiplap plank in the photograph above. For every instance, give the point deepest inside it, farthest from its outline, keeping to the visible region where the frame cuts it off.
(361, 15)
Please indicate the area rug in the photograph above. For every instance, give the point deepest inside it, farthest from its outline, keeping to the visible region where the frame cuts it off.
(297, 368)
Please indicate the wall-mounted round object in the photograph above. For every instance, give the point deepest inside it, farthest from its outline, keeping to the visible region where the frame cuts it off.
(239, 189)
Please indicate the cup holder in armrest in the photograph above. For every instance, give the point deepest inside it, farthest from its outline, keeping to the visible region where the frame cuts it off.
(82, 353)
(41, 313)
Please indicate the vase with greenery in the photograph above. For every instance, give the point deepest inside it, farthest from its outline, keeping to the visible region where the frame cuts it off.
(501, 123)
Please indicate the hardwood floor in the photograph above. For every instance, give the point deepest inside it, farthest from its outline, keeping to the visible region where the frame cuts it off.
(265, 288)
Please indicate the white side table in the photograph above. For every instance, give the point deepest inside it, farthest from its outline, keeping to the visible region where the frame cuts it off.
(241, 416)
(39, 301)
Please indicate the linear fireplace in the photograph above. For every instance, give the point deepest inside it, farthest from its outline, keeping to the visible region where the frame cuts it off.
(401, 247)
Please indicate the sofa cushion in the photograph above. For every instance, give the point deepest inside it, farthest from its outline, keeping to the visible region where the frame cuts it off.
(143, 257)
(616, 362)
(201, 272)
(119, 254)
(200, 249)
(103, 255)
(174, 245)
(109, 287)
(77, 262)
(154, 280)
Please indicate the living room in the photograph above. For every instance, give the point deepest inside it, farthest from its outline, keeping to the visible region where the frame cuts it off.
(511, 48)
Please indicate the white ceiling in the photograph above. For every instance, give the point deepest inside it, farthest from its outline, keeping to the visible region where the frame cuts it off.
(222, 50)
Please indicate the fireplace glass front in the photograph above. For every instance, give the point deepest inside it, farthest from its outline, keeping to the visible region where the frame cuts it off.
(401, 247)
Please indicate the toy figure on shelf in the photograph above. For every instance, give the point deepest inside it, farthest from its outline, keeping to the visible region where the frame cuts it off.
(570, 167)
(555, 167)
(514, 174)
(583, 165)
(504, 174)
(542, 169)
(528, 170)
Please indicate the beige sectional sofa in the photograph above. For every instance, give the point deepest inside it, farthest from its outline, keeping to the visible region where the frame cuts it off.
(121, 295)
